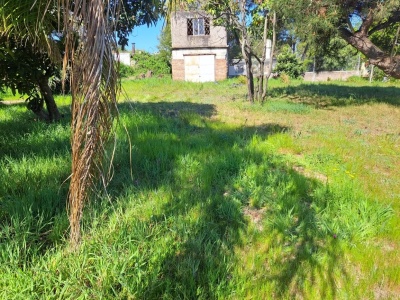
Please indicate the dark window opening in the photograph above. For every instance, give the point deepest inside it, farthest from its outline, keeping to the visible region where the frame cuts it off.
(198, 26)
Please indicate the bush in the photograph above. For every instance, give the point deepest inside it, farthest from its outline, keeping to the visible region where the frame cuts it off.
(125, 71)
(285, 78)
(242, 79)
(289, 64)
(356, 79)
(156, 63)
(379, 75)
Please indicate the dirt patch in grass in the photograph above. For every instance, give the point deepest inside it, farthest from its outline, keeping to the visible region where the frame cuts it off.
(12, 102)
(311, 174)
(255, 216)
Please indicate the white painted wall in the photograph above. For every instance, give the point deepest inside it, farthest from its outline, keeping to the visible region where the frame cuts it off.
(199, 68)
(220, 53)
(123, 58)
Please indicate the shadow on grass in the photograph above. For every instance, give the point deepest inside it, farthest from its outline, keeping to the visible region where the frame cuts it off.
(23, 135)
(204, 168)
(34, 162)
(212, 171)
(326, 95)
(305, 261)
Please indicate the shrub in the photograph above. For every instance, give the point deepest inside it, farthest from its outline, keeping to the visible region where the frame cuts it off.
(379, 75)
(285, 78)
(356, 79)
(289, 64)
(156, 63)
(242, 79)
(125, 71)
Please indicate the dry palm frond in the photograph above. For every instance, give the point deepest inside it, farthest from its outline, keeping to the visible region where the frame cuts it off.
(90, 44)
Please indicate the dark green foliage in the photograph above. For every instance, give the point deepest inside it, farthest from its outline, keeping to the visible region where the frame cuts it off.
(379, 75)
(289, 64)
(125, 71)
(156, 63)
(165, 44)
(136, 13)
(368, 26)
(22, 68)
(385, 39)
(336, 55)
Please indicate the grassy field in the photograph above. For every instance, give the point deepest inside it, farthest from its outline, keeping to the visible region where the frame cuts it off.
(212, 197)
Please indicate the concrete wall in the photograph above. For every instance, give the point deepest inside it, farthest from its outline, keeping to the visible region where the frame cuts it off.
(123, 58)
(331, 75)
(220, 53)
(238, 67)
(180, 38)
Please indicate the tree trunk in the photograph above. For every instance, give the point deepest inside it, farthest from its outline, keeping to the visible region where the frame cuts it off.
(270, 63)
(262, 62)
(53, 113)
(245, 46)
(250, 78)
(36, 106)
(377, 57)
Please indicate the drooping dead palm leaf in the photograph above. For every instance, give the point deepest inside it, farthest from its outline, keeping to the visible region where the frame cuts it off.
(90, 43)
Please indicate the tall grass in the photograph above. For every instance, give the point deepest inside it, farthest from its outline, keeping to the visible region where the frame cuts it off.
(198, 208)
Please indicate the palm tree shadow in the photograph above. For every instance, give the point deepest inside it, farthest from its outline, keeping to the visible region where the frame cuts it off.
(309, 257)
(206, 253)
(206, 218)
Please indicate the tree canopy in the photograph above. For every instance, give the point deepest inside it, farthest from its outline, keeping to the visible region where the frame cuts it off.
(30, 53)
(369, 26)
(135, 13)
(31, 44)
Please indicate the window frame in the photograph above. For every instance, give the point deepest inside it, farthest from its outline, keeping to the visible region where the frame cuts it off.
(198, 26)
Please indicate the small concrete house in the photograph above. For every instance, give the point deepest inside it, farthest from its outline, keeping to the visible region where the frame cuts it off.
(199, 49)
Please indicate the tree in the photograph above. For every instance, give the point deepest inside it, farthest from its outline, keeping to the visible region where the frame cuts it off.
(165, 45)
(289, 64)
(156, 63)
(31, 48)
(88, 29)
(94, 88)
(336, 56)
(135, 13)
(245, 20)
(362, 24)
(29, 56)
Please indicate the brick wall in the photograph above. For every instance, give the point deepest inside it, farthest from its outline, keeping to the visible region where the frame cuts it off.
(221, 69)
(178, 69)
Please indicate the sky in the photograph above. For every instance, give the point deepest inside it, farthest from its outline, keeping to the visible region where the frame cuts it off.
(145, 38)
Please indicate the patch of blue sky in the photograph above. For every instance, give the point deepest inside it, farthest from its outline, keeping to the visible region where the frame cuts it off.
(146, 38)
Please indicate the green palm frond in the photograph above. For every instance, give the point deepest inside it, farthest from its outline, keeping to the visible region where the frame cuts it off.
(31, 22)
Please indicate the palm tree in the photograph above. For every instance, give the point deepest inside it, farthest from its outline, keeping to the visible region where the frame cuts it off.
(88, 30)
(94, 86)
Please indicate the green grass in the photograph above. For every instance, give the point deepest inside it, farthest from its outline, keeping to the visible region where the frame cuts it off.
(211, 197)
